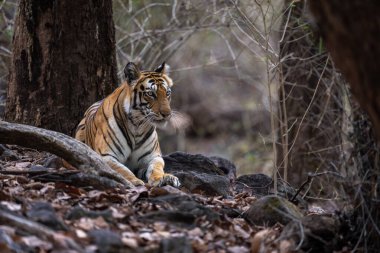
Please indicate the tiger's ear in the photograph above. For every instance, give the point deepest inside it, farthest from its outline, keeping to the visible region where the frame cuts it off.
(163, 68)
(132, 73)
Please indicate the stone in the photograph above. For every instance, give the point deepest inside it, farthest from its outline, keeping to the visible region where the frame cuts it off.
(226, 166)
(204, 184)
(257, 184)
(320, 233)
(53, 162)
(271, 209)
(199, 174)
(262, 185)
(7, 155)
(181, 210)
(79, 212)
(108, 241)
(180, 161)
(36, 168)
(44, 213)
(175, 244)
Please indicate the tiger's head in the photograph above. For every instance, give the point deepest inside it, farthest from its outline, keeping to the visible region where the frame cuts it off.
(151, 93)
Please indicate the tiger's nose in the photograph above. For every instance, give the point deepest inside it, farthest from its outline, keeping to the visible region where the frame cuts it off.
(165, 114)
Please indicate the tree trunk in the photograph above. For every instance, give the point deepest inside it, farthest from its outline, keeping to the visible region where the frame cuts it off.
(351, 30)
(309, 111)
(63, 61)
(352, 33)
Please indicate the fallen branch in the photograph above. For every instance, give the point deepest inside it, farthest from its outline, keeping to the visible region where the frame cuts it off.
(34, 228)
(78, 179)
(74, 178)
(74, 152)
(23, 172)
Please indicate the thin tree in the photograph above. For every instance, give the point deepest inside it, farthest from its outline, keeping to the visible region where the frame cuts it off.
(310, 110)
(63, 60)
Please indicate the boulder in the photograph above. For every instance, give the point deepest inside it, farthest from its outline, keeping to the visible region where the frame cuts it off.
(204, 184)
(180, 161)
(257, 184)
(262, 185)
(199, 174)
(271, 209)
(226, 166)
(320, 233)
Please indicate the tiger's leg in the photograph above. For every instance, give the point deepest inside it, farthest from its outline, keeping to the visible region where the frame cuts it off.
(157, 177)
(122, 170)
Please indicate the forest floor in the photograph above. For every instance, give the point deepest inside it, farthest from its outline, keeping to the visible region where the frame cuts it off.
(43, 214)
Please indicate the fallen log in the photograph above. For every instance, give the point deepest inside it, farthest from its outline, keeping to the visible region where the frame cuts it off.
(71, 150)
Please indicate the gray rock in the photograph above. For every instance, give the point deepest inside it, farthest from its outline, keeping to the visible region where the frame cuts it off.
(262, 185)
(258, 184)
(320, 233)
(44, 213)
(107, 241)
(78, 212)
(199, 174)
(180, 161)
(175, 245)
(53, 162)
(37, 167)
(226, 166)
(271, 209)
(7, 155)
(181, 210)
(204, 184)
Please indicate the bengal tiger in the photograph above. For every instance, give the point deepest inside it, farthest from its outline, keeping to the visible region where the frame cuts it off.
(122, 127)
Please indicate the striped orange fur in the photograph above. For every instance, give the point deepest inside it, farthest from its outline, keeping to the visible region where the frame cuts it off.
(122, 127)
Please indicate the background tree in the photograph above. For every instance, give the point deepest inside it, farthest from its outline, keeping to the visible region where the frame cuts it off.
(345, 26)
(351, 30)
(310, 106)
(63, 60)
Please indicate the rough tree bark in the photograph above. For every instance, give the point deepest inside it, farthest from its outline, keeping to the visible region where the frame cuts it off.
(309, 109)
(63, 60)
(351, 30)
(352, 33)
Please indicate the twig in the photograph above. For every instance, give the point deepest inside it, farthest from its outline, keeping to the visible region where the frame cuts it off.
(310, 176)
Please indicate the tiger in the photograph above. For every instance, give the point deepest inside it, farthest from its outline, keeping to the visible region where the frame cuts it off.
(122, 127)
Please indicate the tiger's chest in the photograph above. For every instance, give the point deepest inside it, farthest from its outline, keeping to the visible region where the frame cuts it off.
(134, 143)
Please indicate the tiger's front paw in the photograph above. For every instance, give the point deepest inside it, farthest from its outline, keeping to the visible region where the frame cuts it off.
(137, 182)
(166, 179)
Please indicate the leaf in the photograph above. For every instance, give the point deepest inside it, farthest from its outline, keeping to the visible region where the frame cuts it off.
(11, 205)
(35, 242)
(130, 242)
(80, 233)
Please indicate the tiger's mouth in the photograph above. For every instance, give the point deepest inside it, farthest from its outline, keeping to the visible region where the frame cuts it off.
(160, 122)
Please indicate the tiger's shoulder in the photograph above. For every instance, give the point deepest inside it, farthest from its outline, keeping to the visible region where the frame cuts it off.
(104, 107)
